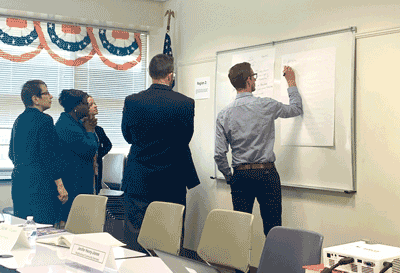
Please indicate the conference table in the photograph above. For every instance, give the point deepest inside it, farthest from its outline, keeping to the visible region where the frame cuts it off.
(53, 259)
(180, 264)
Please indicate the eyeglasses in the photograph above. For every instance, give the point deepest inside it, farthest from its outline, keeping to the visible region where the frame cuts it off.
(254, 75)
(45, 93)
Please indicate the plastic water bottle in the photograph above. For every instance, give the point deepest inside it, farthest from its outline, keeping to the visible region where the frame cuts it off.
(30, 230)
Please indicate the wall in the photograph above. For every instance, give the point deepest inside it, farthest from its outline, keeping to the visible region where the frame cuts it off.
(137, 14)
(203, 27)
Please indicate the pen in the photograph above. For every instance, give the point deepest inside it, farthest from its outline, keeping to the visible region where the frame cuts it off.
(6, 256)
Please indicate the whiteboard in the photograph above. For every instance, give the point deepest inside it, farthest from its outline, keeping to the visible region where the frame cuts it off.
(324, 165)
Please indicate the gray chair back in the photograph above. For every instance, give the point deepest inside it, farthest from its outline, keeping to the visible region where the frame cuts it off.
(113, 169)
(288, 250)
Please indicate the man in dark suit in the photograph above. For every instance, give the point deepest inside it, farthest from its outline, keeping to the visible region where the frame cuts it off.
(158, 123)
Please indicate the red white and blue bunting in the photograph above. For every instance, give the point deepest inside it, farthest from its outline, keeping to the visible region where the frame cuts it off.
(71, 45)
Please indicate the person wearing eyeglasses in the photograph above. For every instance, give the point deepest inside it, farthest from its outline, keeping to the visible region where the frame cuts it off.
(79, 144)
(248, 125)
(37, 188)
(159, 124)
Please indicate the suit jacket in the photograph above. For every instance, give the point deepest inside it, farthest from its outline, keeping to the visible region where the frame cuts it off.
(78, 148)
(34, 147)
(158, 123)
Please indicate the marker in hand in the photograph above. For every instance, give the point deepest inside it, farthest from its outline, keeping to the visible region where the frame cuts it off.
(284, 73)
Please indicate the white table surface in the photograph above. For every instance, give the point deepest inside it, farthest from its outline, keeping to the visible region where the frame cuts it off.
(180, 264)
(53, 258)
(136, 265)
(12, 220)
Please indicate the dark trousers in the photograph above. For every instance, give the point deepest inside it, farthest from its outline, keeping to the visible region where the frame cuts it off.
(97, 184)
(135, 209)
(99, 177)
(263, 184)
(133, 216)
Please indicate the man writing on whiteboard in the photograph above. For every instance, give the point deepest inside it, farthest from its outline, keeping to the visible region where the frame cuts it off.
(248, 125)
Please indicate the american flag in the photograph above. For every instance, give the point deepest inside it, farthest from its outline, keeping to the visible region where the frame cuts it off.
(167, 45)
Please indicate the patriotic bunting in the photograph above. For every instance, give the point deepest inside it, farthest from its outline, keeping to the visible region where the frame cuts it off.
(111, 45)
(20, 39)
(71, 45)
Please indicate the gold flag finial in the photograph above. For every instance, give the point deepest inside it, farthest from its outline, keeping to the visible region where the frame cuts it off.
(169, 13)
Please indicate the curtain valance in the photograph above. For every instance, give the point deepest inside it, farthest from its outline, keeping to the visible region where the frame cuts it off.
(71, 45)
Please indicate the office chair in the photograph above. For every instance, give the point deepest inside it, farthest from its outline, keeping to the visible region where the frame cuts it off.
(288, 250)
(162, 227)
(87, 214)
(113, 170)
(115, 203)
(226, 239)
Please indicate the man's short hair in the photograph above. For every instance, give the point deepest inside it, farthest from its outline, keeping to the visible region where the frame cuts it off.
(70, 98)
(30, 89)
(238, 75)
(160, 66)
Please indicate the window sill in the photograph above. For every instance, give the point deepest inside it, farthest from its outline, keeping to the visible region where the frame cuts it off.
(5, 181)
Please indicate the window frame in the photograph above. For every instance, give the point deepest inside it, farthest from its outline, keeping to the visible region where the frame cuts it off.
(144, 83)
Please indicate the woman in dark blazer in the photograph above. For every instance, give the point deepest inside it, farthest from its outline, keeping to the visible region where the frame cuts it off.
(37, 189)
(75, 129)
(105, 146)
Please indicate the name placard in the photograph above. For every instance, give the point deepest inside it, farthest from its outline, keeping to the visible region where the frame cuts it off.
(91, 254)
(11, 237)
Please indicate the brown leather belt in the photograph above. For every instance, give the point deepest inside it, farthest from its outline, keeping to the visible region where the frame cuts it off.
(254, 166)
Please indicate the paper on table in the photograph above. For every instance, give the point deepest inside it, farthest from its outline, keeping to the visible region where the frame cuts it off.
(37, 225)
(66, 240)
(49, 231)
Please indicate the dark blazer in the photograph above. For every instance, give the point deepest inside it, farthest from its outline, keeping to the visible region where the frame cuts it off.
(33, 151)
(105, 146)
(78, 148)
(158, 123)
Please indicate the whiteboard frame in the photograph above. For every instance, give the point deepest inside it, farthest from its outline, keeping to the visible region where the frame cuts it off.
(352, 188)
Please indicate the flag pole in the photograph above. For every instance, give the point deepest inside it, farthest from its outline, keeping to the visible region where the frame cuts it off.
(167, 41)
(169, 13)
